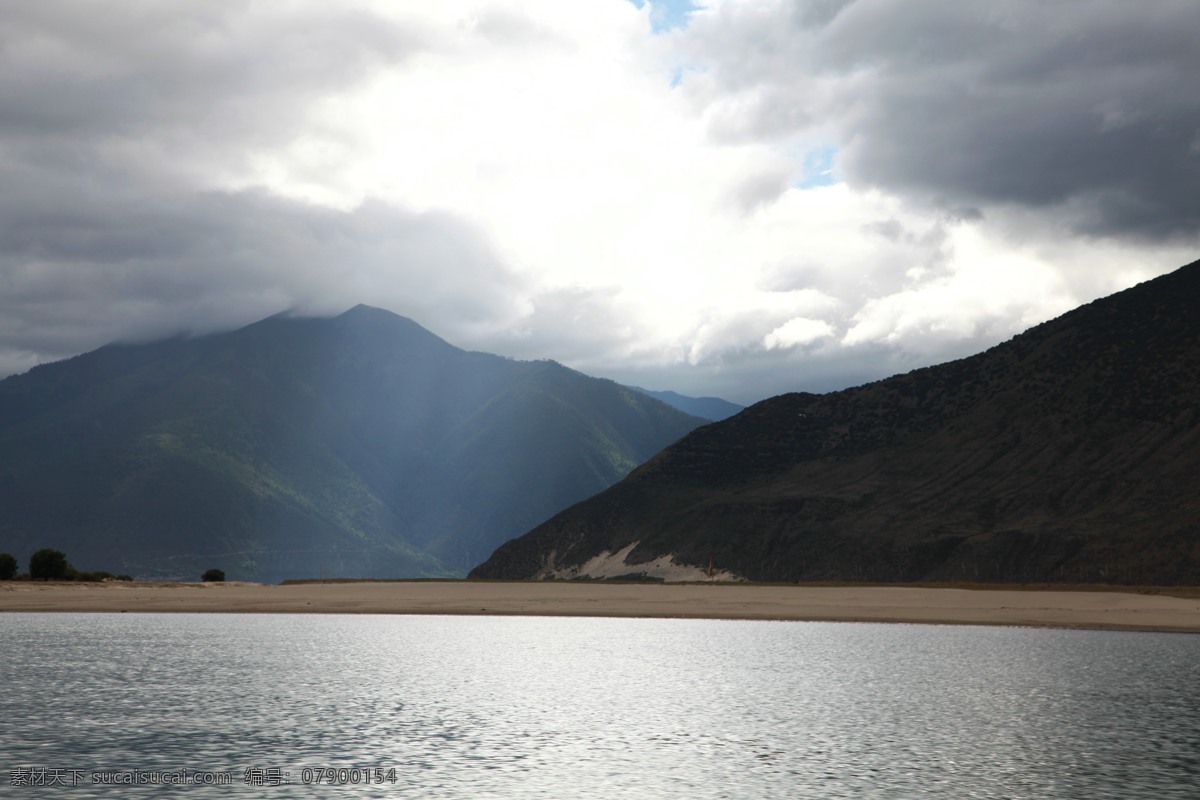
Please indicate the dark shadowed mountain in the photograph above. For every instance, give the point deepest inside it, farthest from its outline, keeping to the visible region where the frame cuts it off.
(361, 445)
(710, 408)
(1069, 453)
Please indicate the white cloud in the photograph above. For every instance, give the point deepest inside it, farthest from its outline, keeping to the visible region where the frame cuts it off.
(549, 179)
(797, 331)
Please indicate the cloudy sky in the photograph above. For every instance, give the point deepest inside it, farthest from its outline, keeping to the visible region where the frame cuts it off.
(732, 197)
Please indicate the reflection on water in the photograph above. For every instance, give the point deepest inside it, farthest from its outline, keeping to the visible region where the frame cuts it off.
(521, 707)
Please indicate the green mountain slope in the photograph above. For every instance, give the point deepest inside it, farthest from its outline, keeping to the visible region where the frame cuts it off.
(1070, 453)
(361, 445)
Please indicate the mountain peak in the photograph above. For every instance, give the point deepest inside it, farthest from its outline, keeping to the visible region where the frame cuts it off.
(368, 320)
(364, 311)
(360, 445)
(372, 315)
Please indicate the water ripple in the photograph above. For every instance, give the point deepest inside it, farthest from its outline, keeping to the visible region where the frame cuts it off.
(488, 707)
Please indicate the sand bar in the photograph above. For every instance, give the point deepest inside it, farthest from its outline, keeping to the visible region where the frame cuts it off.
(1074, 609)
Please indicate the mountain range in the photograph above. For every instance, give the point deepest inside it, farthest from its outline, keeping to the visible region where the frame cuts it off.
(710, 408)
(1070, 453)
(361, 445)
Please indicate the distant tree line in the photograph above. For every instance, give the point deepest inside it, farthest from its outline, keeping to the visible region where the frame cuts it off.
(49, 564)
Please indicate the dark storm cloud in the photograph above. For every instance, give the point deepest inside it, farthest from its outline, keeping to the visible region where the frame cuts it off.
(1085, 109)
(125, 97)
(86, 261)
(78, 271)
(112, 115)
(130, 68)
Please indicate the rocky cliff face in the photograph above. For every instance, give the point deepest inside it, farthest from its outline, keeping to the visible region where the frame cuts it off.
(1069, 453)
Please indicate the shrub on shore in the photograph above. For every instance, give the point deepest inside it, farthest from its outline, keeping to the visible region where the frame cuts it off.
(213, 576)
(8, 567)
(49, 564)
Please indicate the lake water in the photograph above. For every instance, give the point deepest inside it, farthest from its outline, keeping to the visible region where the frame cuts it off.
(523, 707)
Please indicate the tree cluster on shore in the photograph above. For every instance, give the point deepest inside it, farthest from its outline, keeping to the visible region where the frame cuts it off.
(49, 564)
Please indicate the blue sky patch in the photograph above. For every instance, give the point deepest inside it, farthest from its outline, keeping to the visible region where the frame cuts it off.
(819, 168)
(666, 15)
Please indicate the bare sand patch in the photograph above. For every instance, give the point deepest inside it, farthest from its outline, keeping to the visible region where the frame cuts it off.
(613, 565)
(1058, 608)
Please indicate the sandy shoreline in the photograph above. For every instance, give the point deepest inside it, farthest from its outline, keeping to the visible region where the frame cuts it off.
(1073, 609)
